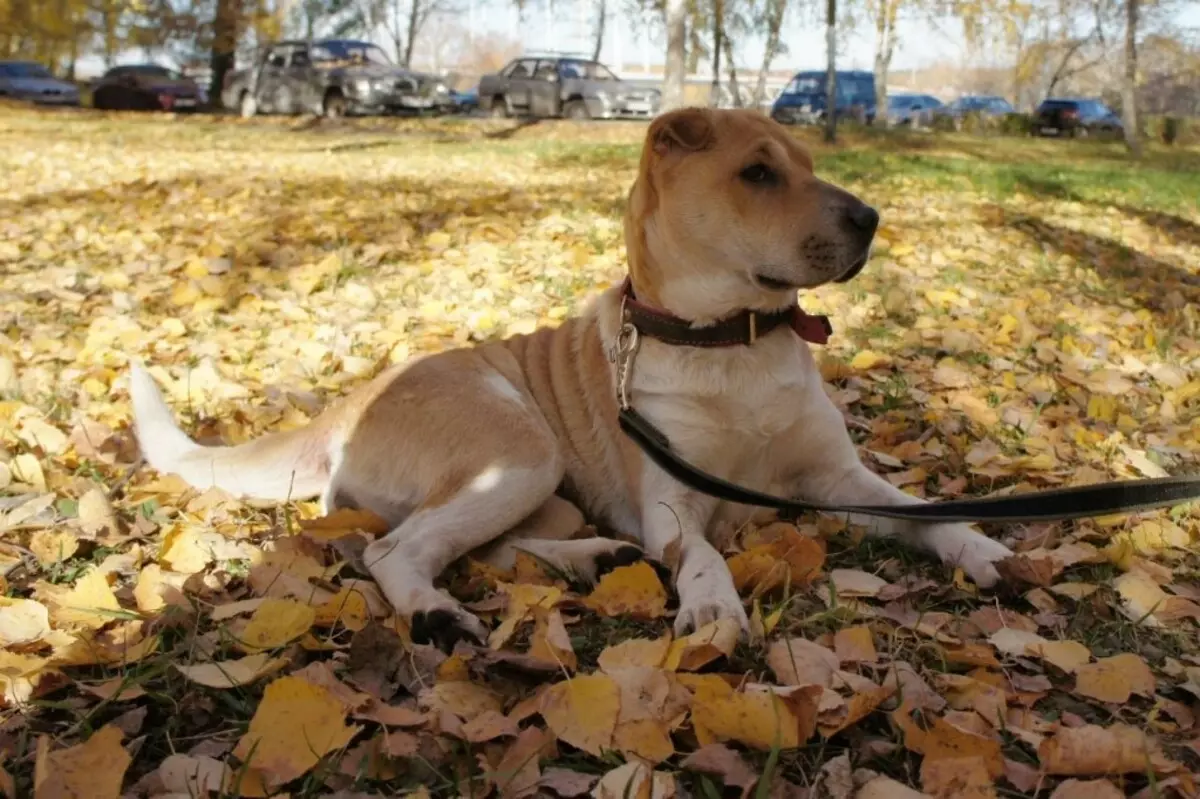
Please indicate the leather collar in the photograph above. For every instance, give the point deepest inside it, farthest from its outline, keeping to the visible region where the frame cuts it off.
(740, 329)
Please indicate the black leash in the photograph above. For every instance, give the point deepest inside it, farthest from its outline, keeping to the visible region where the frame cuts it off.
(1078, 502)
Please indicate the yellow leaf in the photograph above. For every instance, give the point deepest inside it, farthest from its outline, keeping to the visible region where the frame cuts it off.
(713, 640)
(233, 673)
(957, 778)
(347, 606)
(550, 641)
(94, 769)
(632, 590)
(89, 603)
(20, 676)
(761, 716)
(940, 739)
(583, 711)
(344, 522)
(275, 622)
(295, 725)
(1113, 679)
(1066, 655)
(26, 469)
(1102, 408)
(866, 359)
(523, 598)
(183, 551)
(156, 588)
(855, 645)
(635, 652)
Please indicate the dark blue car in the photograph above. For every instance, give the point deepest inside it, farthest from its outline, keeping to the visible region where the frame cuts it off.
(804, 99)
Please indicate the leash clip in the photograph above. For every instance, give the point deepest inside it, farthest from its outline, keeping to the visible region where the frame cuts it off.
(623, 352)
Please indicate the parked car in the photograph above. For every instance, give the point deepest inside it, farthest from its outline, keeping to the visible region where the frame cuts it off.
(985, 105)
(911, 109)
(557, 86)
(1075, 117)
(331, 77)
(804, 99)
(146, 87)
(465, 102)
(32, 82)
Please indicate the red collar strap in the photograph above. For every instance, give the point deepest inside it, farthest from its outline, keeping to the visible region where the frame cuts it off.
(741, 329)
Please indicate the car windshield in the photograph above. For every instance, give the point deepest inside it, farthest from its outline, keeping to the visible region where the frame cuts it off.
(806, 84)
(24, 70)
(339, 52)
(585, 70)
(902, 101)
(156, 72)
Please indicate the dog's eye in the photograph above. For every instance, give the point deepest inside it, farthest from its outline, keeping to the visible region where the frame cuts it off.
(759, 173)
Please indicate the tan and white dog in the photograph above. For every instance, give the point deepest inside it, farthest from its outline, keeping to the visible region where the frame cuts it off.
(495, 448)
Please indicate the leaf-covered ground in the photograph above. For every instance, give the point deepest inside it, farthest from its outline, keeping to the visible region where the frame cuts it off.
(1031, 318)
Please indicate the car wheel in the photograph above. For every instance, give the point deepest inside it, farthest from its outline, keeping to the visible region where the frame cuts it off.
(498, 108)
(334, 106)
(247, 105)
(576, 110)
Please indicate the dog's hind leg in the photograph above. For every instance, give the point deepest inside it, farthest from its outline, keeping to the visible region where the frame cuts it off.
(407, 560)
(548, 536)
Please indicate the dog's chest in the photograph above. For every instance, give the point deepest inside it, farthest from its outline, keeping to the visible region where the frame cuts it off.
(729, 400)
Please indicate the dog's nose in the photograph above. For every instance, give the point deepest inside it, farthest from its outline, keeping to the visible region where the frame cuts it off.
(863, 217)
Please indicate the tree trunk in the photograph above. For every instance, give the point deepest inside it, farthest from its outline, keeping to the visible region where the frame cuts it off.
(775, 12)
(714, 95)
(226, 23)
(831, 71)
(735, 93)
(885, 42)
(695, 49)
(415, 14)
(674, 73)
(1129, 84)
(600, 31)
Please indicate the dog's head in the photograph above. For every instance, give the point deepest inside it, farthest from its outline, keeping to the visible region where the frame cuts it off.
(726, 214)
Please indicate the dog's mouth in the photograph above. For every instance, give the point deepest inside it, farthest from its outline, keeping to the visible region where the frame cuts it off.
(774, 283)
(854, 269)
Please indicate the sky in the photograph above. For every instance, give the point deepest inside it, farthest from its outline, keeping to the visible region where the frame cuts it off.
(920, 42)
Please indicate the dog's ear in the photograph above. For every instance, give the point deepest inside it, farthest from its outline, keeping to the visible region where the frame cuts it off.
(683, 130)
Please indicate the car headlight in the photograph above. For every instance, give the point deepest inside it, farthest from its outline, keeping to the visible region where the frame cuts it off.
(441, 88)
(362, 85)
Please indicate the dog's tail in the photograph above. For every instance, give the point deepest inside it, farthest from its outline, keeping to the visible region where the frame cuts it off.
(277, 466)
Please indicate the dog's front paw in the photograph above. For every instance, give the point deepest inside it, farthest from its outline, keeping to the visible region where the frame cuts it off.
(706, 598)
(444, 627)
(959, 545)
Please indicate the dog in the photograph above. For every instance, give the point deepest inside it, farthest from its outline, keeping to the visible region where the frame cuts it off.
(505, 446)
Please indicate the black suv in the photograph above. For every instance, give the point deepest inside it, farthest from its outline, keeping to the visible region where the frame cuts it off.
(331, 77)
(1075, 117)
(554, 86)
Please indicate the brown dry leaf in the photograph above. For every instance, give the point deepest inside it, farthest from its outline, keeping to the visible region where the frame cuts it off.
(1087, 789)
(295, 725)
(550, 641)
(941, 739)
(466, 700)
(523, 600)
(633, 590)
(22, 621)
(635, 652)
(93, 769)
(1092, 750)
(583, 711)
(967, 693)
(53, 546)
(720, 761)
(864, 701)
(1113, 679)
(855, 645)
(856, 583)
(488, 725)
(519, 773)
(955, 777)
(276, 622)
(713, 640)
(796, 661)
(1027, 568)
(887, 788)
(233, 673)
(777, 555)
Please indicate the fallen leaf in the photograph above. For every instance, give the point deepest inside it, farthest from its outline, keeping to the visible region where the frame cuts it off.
(952, 777)
(761, 717)
(720, 761)
(1113, 679)
(95, 768)
(1092, 750)
(855, 645)
(276, 622)
(1087, 789)
(713, 640)
(635, 652)
(295, 725)
(233, 673)
(22, 621)
(633, 590)
(583, 711)
(796, 661)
